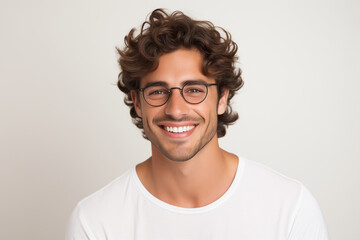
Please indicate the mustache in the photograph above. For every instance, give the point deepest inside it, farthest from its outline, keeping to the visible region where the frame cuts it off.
(172, 119)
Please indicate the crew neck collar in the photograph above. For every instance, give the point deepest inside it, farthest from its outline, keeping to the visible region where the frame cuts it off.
(209, 207)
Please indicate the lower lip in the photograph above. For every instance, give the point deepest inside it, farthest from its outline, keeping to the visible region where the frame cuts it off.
(178, 135)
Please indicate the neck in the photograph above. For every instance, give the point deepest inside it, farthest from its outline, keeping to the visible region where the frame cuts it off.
(193, 183)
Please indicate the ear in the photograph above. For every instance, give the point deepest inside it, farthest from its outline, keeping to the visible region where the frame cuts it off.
(136, 101)
(222, 104)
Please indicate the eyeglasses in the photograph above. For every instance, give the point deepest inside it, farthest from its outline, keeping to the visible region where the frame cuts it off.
(192, 92)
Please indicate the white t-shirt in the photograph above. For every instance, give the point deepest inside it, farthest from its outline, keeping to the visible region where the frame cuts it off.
(260, 204)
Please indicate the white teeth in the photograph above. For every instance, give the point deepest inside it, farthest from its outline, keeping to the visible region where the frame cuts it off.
(179, 129)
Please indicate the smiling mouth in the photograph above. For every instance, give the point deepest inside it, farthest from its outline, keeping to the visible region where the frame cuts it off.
(181, 129)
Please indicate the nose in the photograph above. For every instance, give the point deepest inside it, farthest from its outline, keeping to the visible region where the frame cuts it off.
(176, 107)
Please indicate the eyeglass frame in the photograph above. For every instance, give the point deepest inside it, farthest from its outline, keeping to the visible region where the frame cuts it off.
(169, 90)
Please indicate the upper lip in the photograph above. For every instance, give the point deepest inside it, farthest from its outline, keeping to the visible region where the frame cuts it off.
(177, 124)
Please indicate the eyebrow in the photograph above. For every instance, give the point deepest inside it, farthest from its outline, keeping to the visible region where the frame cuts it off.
(157, 83)
(164, 84)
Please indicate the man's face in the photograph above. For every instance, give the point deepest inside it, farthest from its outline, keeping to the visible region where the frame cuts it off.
(198, 122)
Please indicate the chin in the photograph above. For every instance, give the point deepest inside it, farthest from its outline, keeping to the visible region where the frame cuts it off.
(179, 154)
(182, 158)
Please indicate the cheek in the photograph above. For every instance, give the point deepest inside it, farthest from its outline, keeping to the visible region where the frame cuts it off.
(146, 122)
(207, 111)
(149, 114)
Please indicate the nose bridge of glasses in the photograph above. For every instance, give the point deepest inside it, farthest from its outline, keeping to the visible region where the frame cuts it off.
(170, 89)
(173, 88)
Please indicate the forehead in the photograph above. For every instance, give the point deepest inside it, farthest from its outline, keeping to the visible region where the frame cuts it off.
(177, 67)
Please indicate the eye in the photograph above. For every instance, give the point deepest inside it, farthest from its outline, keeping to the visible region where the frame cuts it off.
(158, 92)
(194, 89)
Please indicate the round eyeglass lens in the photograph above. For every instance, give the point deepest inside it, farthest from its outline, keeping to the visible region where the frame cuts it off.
(194, 93)
(156, 95)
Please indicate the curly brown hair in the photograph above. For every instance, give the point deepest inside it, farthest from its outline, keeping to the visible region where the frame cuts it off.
(164, 33)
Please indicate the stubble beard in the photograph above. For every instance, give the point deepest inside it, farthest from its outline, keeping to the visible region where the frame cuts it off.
(181, 156)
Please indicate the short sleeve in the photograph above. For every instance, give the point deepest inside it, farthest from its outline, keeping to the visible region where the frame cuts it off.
(308, 222)
(77, 228)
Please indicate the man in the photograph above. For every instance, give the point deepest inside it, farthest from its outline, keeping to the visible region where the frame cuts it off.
(179, 76)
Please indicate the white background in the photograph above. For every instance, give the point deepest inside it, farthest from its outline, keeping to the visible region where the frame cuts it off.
(65, 132)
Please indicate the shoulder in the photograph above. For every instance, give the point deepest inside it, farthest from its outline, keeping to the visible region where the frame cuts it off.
(101, 208)
(107, 199)
(265, 180)
(287, 196)
(268, 189)
(308, 221)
